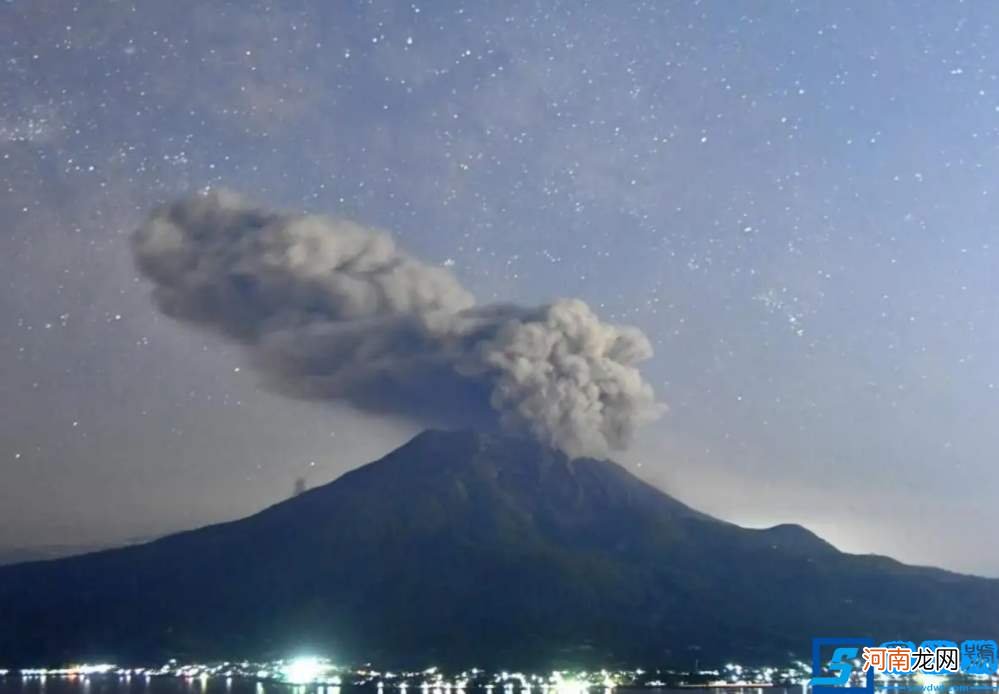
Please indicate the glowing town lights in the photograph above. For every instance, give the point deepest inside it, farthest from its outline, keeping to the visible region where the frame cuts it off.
(326, 678)
(572, 687)
(569, 686)
(303, 670)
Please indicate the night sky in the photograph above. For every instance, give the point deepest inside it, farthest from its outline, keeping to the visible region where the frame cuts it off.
(795, 201)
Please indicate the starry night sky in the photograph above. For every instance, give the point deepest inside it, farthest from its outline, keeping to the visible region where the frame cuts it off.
(795, 201)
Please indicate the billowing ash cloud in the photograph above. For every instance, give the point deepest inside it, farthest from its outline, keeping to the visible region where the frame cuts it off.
(331, 310)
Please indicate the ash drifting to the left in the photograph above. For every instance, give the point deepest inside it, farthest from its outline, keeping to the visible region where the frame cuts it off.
(328, 309)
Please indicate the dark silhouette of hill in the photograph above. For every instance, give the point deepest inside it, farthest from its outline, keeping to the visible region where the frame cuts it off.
(470, 549)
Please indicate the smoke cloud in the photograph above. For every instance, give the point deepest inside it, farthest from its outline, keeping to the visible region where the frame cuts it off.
(331, 310)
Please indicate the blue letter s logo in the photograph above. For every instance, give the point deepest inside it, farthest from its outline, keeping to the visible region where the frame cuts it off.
(840, 663)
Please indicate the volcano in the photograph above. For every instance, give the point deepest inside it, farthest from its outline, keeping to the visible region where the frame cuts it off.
(479, 550)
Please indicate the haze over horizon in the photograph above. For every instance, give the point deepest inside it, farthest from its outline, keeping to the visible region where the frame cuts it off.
(794, 202)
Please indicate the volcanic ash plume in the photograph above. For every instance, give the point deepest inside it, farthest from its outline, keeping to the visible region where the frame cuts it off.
(331, 310)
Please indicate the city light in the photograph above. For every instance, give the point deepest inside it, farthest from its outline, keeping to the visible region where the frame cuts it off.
(570, 686)
(304, 670)
(328, 677)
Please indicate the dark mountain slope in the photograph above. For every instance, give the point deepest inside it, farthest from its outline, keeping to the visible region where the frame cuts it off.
(479, 550)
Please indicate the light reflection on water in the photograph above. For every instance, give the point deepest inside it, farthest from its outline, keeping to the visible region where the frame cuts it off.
(223, 685)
